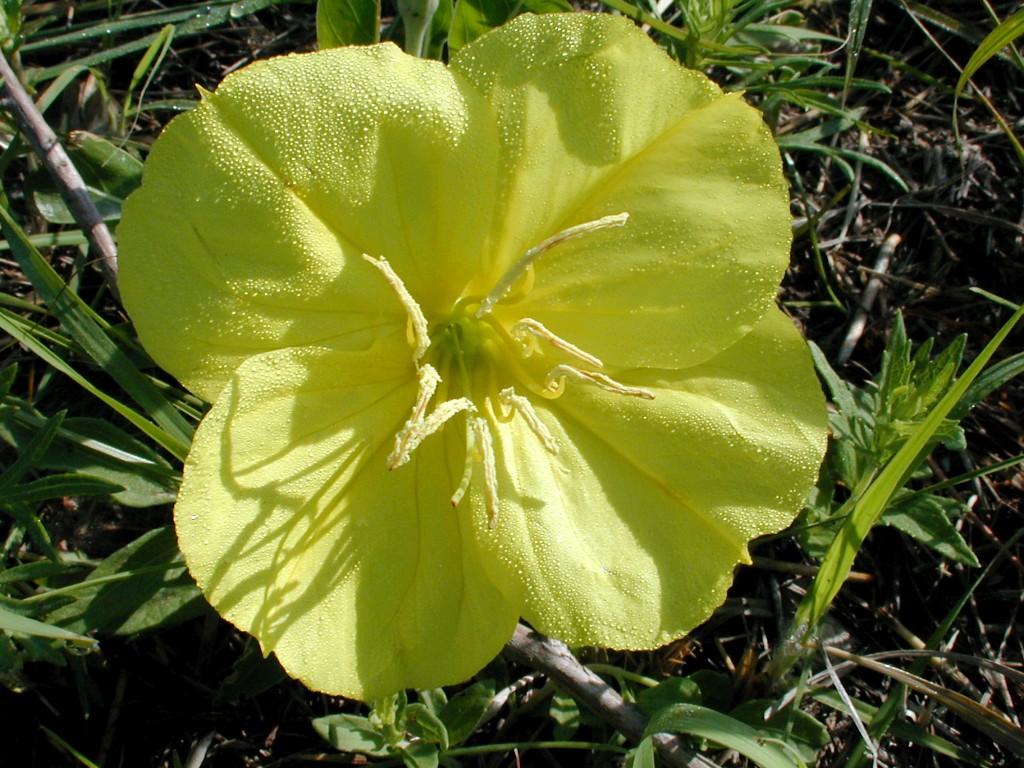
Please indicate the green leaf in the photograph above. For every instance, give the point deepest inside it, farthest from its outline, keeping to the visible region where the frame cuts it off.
(31, 452)
(141, 587)
(995, 41)
(251, 674)
(727, 731)
(675, 690)
(347, 22)
(991, 379)
(23, 625)
(420, 754)
(352, 733)
(422, 723)
(869, 506)
(110, 175)
(643, 755)
(800, 730)
(566, 713)
(98, 449)
(56, 486)
(473, 18)
(926, 519)
(80, 321)
(463, 712)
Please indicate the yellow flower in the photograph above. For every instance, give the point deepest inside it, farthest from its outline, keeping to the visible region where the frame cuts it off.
(483, 341)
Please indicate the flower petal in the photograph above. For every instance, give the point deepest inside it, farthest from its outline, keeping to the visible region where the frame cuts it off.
(258, 204)
(362, 581)
(597, 121)
(628, 538)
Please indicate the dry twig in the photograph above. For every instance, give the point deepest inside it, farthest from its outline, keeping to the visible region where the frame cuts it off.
(70, 183)
(534, 650)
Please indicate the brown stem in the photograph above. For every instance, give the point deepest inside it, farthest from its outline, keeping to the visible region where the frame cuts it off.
(554, 659)
(72, 188)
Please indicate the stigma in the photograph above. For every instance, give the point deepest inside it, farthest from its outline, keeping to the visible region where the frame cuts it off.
(470, 364)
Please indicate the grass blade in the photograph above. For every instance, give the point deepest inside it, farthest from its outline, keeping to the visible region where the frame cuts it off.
(988, 721)
(993, 43)
(80, 322)
(868, 508)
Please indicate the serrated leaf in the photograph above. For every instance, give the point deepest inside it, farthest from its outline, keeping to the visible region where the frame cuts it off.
(926, 519)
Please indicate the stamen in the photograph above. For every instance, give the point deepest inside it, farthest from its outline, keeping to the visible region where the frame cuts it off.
(416, 431)
(522, 331)
(467, 468)
(505, 284)
(561, 372)
(525, 408)
(419, 334)
(482, 432)
(429, 379)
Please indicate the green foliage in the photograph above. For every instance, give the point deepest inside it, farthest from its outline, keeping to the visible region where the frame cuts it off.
(474, 17)
(417, 732)
(875, 491)
(110, 174)
(140, 588)
(347, 22)
(1000, 37)
(116, 450)
(870, 424)
(700, 705)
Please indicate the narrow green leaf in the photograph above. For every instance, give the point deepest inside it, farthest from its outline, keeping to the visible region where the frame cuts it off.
(994, 42)
(57, 486)
(715, 726)
(868, 508)
(71, 311)
(15, 330)
(23, 625)
(347, 22)
(98, 449)
(643, 756)
(149, 64)
(30, 455)
(142, 587)
(993, 724)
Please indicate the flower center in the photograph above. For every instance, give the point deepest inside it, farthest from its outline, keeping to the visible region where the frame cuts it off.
(471, 353)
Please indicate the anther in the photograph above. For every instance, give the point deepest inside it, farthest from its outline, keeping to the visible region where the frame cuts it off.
(524, 408)
(416, 431)
(505, 284)
(419, 333)
(560, 372)
(485, 443)
(527, 330)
